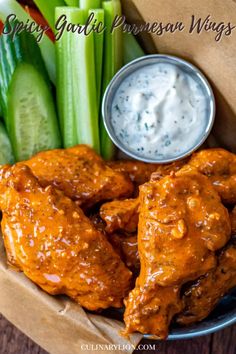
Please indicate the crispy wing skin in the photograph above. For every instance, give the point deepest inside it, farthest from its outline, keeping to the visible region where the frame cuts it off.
(219, 166)
(127, 248)
(81, 174)
(48, 237)
(233, 221)
(140, 172)
(203, 295)
(181, 224)
(167, 169)
(120, 215)
(98, 223)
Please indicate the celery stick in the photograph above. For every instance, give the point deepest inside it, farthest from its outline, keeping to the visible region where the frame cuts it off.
(64, 79)
(89, 4)
(131, 48)
(77, 97)
(47, 8)
(84, 85)
(47, 48)
(98, 48)
(72, 2)
(112, 62)
(118, 37)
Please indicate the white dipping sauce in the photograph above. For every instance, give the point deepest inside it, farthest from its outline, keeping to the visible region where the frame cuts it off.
(159, 111)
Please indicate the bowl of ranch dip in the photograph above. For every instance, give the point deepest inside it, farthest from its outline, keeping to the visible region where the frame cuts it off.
(158, 108)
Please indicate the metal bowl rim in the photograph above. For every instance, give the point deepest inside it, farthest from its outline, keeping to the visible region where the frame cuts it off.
(128, 68)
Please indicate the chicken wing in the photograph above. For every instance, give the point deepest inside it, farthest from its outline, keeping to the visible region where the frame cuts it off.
(123, 214)
(125, 244)
(140, 172)
(120, 215)
(203, 295)
(181, 224)
(127, 248)
(233, 221)
(219, 166)
(48, 237)
(81, 174)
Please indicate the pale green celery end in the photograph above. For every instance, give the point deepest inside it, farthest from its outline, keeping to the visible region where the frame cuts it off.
(46, 46)
(89, 4)
(72, 2)
(84, 84)
(74, 15)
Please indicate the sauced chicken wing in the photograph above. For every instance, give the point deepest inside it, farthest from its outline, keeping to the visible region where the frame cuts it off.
(181, 224)
(81, 174)
(121, 215)
(48, 237)
(140, 172)
(219, 166)
(203, 295)
(127, 248)
(125, 244)
(233, 221)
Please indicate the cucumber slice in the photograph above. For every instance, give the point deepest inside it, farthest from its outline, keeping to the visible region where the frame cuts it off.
(6, 154)
(46, 46)
(22, 49)
(31, 114)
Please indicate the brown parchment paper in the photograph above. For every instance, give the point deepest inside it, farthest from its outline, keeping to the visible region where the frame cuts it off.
(216, 59)
(58, 325)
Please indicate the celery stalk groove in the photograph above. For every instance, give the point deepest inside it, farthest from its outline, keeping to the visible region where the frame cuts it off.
(112, 62)
(89, 4)
(77, 98)
(84, 85)
(98, 50)
(64, 84)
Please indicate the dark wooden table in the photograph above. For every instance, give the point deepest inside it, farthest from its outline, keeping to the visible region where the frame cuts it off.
(13, 341)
